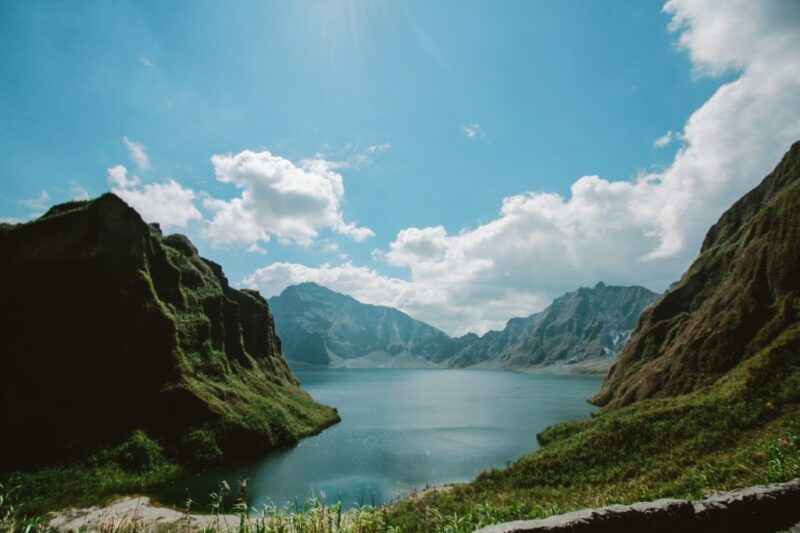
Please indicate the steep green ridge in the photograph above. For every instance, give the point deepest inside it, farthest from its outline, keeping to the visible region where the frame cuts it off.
(322, 327)
(739, 295)
(705, 396)
(584, 325)
(110, 327)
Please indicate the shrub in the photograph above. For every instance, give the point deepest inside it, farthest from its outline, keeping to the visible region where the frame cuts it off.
(140, 453)
(199, 449)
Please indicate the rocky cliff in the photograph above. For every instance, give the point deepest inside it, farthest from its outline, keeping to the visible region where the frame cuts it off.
(108, 326)
(589, 324)
(739, 295)
(323, 327)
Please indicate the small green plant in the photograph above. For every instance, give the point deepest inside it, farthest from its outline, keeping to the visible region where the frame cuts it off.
(14, 516)
(140, 453)
(784, 458)
(199, 449)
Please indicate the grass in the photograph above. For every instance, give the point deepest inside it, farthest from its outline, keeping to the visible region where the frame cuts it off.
(136, 465)
(742, 430)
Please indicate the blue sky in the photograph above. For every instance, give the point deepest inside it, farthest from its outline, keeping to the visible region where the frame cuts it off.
(430, 114)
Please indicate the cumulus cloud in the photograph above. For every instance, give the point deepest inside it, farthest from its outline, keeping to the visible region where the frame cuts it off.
(138, 153)
(472, 130)
(665, 139)
(169, 203)
(362, 283)
(414, 245)
(643, 231)
(38, 203)
(278, 198)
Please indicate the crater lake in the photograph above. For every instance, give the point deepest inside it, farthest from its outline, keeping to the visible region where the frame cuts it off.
(401, 430)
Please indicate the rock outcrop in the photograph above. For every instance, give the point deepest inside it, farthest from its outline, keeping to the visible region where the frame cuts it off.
(740, 294)
(108, 327)
(756, 509)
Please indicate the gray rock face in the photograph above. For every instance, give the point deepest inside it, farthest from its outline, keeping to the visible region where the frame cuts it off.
(322, 327)
(756, 509)
(584, 325)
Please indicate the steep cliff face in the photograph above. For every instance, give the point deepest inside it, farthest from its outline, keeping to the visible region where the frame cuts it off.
(110, 327)
(585, 325)
(741, 294)
(320, 326)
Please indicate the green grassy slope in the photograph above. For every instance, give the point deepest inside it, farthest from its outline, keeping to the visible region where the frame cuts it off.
(705, 396)
(128, 359)
(743, 430)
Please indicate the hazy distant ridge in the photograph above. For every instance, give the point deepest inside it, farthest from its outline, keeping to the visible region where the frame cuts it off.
(322, 327)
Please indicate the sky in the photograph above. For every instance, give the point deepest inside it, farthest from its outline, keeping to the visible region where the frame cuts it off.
(465, 162)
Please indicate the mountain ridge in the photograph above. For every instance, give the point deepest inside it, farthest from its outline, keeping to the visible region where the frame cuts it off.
(739, 294)
(323, 327)
(106, 316)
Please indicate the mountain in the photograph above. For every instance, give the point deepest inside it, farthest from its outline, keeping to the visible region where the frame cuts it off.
(703, 398)
(323, 327)
(580, 327)
(739, 296)
(110, 327)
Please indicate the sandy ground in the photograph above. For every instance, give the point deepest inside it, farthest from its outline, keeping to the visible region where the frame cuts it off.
(137, 511)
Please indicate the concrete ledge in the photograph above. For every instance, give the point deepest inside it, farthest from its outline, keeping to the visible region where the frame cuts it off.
(763, 508)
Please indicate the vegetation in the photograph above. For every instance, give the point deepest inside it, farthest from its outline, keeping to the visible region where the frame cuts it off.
(136, 465)
(128, 360)
(742, 431)
(705, 397)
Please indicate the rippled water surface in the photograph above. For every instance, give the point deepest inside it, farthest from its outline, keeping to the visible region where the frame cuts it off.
(404, 429)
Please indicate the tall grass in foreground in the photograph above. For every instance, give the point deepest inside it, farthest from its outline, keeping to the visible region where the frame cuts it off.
(14, 516)
(780, 455)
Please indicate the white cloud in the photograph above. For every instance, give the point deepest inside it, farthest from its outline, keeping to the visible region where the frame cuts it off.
(362, 283)
(644, 231)
(472, 130)
(665, 139)
(378, 148)
(77, 191)
(278, 198)
(118, 178)
(169, 203)
(329, 247)
(414, 245)
(256, 249)
(354, 156)
(37, 203)
(138, 153)
(146, 62)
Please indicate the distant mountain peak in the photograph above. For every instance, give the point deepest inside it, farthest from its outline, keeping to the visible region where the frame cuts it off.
(321, 326)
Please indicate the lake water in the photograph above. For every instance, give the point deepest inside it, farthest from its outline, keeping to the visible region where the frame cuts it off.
(401, 430)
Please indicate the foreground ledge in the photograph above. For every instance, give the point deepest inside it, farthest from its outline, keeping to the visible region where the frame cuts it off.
(762, 508)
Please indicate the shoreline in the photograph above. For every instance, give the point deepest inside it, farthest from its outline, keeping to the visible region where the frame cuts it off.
(145, 511)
